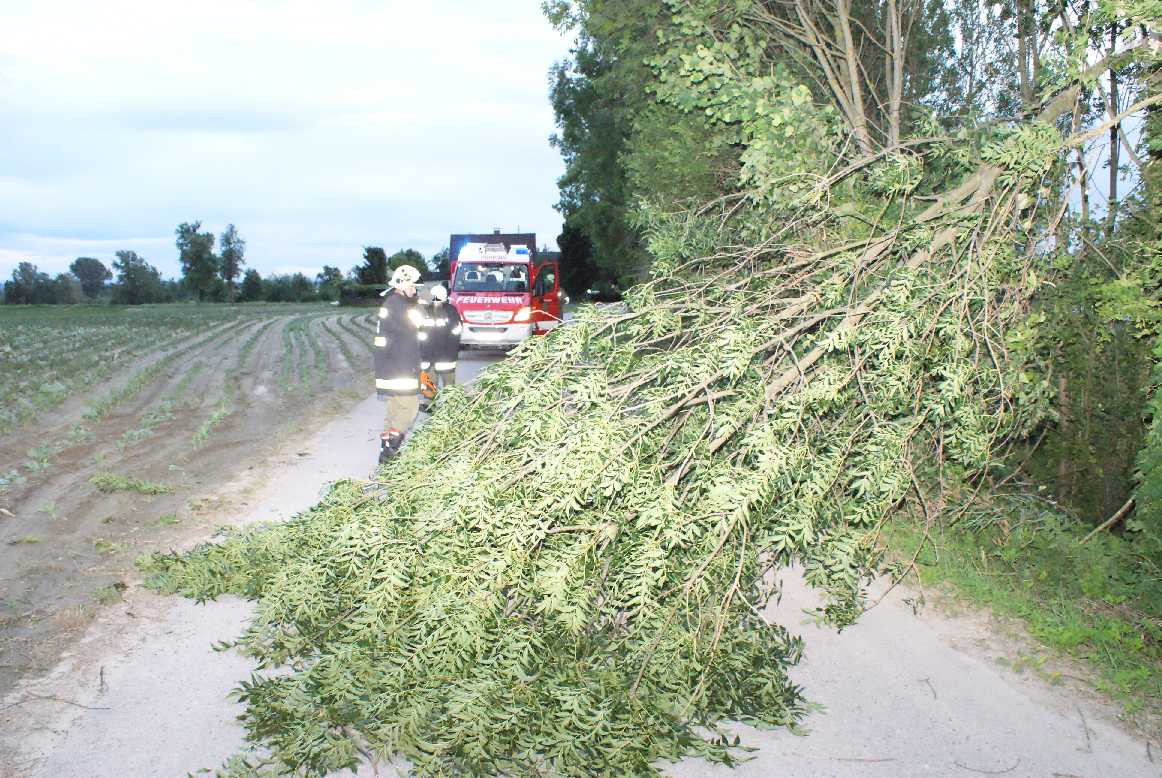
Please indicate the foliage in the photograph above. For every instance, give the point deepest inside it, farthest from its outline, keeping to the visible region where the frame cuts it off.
(579, 270)
(200, 267)
(441, 266)
(408, 257)
(115, 482)
(251, 289)
(567, 569)
(329, 282)
(233, 257)
(92, 274)
(28, 286)
(374, 267)
(294, 288)
(138, 282)
(595, 96)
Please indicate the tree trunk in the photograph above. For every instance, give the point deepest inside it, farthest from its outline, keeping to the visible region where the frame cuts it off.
(1063, 432)
(1026, 43)
(1115, 145)
(895, 59)
(851, 75)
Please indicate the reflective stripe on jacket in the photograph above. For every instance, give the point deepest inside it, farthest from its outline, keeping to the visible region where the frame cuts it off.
(444, 348)
(397, 346)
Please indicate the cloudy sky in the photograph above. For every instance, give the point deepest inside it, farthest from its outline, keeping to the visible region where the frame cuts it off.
(315, 127)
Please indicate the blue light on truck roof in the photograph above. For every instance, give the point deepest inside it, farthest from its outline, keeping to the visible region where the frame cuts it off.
(522, 251)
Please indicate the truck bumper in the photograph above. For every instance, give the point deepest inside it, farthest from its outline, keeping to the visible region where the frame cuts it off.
(493, 335)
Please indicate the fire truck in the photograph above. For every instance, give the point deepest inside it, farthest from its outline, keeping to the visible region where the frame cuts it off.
(502, 293)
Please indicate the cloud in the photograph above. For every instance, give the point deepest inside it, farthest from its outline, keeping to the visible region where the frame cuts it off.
(315, 128)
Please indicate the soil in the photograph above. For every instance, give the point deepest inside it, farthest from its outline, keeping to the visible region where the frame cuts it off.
(66, 547)
(901, 693)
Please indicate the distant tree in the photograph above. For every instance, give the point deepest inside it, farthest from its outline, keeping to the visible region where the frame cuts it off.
(172, 291)
(295, 288)
(579, 269)
(28, 286)
(233, 256)
(251, 286)
(66, 289)
(92, 274)
(374, 267)
(329, 282)
(199, 265)
(407, 257)
(138, 282)
(441, 265)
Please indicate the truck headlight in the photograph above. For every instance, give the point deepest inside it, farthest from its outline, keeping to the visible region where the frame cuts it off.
(522, 315)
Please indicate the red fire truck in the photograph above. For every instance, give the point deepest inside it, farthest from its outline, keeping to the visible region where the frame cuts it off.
(503, 294)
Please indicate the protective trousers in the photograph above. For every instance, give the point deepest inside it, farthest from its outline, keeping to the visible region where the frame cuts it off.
(401, 412)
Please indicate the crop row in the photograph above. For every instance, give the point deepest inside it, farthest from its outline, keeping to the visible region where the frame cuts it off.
(50, 353)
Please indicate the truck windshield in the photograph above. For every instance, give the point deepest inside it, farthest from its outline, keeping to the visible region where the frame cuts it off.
(491, 277)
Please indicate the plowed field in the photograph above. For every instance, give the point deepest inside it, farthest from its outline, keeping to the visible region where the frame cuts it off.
(114, 420)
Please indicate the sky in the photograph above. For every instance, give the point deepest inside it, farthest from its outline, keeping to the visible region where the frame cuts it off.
(316, 128)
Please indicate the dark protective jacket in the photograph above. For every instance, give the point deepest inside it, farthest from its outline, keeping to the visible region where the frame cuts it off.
(397, 346)
(444, 337)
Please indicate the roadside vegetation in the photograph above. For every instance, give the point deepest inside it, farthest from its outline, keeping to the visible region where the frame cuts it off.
(114, 482)
(1094, 599)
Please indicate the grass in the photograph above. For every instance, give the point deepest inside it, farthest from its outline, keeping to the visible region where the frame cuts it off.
(1098, 603)
(107, 547)
(108, 595)
(114, 482)
(25, 540)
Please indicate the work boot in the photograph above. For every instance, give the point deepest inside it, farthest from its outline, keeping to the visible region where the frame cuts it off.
(389, 444)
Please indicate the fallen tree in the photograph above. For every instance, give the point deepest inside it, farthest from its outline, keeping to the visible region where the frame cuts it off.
(568, 568)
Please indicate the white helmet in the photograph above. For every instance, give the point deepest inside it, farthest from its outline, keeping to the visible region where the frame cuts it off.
(404, 274)
(439, 293)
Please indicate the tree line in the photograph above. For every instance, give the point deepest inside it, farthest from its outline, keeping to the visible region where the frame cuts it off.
(206, 276)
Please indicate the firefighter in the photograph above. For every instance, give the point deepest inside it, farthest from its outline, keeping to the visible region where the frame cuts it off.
(428, 337)
(398, 335)
(445, 343)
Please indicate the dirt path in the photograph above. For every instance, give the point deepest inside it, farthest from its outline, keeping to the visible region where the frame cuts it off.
(904, 695)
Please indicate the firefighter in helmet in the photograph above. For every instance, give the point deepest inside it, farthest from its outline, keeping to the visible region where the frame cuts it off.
(398, 335)
(445, 336)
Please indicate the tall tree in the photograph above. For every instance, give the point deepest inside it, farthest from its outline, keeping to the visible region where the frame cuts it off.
(578, 270)
(408, 257)
(66, 289)
(329, 281)
(138, 282)
(196, 252)
(92, 274)
(232, 255)
(28, 286)
(374, 267)
(251, 289)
